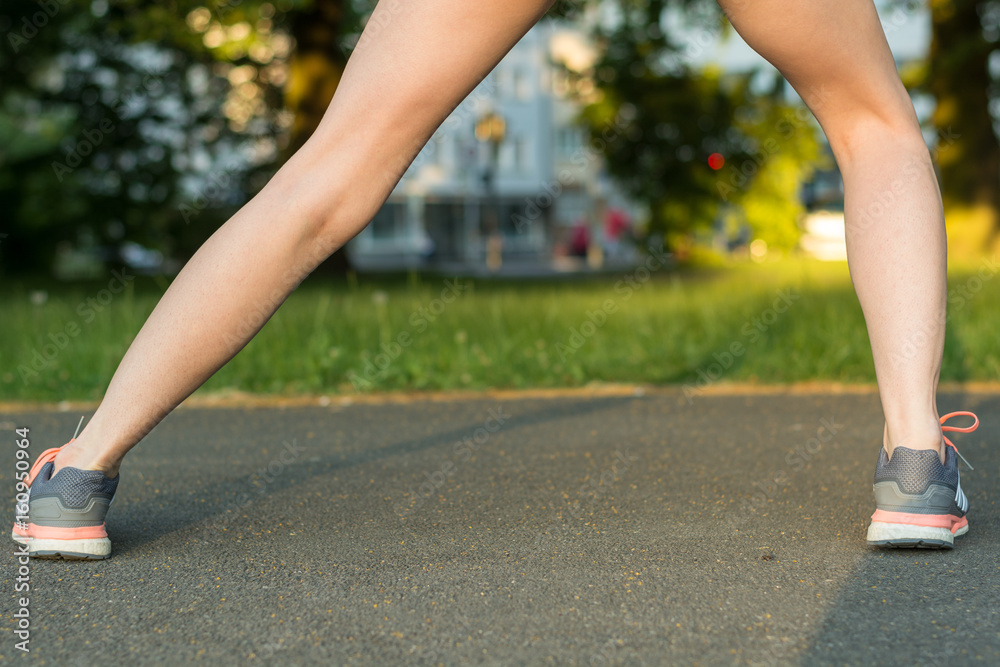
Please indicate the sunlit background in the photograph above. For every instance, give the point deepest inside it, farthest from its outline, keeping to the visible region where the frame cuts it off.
(129, 131)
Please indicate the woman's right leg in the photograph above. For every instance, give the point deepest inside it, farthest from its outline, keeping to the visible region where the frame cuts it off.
(835, 54)
(415, 62)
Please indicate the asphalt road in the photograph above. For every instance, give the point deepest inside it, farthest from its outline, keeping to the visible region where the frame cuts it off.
(580, 530)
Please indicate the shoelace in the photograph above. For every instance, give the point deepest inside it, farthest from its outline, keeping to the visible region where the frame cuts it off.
(959, 429)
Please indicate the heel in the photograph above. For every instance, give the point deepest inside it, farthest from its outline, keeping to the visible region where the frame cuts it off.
(83, 549)
(908, 536)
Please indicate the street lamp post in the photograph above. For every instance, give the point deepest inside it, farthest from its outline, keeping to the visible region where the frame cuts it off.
(490, 129)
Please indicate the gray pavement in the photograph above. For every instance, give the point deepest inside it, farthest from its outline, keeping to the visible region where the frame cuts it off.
(580, 530)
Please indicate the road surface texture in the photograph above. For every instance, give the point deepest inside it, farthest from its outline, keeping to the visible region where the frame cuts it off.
(625, 529)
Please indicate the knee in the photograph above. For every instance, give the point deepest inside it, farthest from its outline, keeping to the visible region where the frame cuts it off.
(865, 132)
(321, 197)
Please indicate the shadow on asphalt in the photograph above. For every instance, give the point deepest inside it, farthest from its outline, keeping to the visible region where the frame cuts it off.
(668, 565)
(178, 514)
(924, 606)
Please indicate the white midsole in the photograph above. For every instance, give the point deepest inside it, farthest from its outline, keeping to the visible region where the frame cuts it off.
(880, 532)
(96, 546)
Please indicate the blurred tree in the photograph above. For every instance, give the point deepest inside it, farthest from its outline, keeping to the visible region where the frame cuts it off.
(635, 76)
(123, 120)
(786, 152)
(966, 36)
(658, 121)
(316, 67)
(151, 122)
(139, 128)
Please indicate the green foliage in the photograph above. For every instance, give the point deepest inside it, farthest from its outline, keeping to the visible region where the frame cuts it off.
(109, 100)
(656, 133)
(786, 152)
(127, 120)
(963, 76)
(657, 121)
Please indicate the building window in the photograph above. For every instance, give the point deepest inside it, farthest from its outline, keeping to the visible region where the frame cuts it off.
(388, 221)
(522, 84)
(443, 151)
(522, 154)
(569, 140)
(496, 82)
(506, 157)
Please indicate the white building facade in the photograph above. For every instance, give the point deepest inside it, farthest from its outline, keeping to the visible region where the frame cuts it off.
(467, 201)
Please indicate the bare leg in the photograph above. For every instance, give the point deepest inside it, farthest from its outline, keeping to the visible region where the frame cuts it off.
(835, 55)
(416, 61)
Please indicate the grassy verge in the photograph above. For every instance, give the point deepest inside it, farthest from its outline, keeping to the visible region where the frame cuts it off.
(777, 323)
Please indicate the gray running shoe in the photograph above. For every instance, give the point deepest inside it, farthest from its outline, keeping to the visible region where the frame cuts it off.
(919, 500)
(65, 517)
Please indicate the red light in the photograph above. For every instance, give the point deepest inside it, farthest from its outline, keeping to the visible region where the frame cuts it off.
(716, 161)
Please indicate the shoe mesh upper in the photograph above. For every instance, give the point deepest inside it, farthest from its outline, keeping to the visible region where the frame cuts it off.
(73, 485)
(915, 469)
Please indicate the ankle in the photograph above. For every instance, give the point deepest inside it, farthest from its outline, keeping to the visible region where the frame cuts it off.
(76, 455)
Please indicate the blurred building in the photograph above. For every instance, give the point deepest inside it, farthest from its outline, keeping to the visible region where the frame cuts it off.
(507, 178)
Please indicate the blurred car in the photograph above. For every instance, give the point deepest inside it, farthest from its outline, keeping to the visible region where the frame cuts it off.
(824, 236)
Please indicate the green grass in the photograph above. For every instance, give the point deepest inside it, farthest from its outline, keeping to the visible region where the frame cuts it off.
(508, 335)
